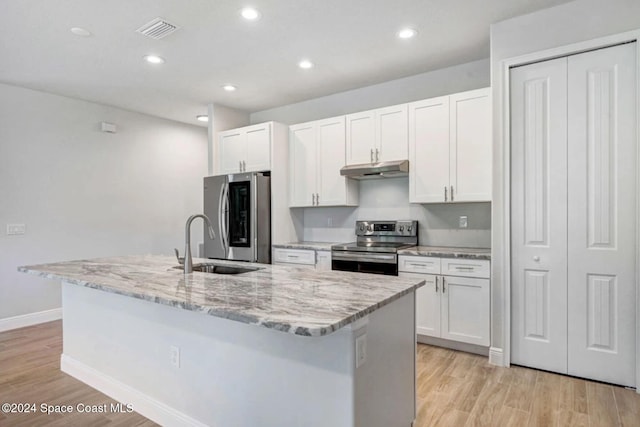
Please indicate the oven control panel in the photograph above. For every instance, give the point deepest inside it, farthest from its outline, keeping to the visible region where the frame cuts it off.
(407, 228)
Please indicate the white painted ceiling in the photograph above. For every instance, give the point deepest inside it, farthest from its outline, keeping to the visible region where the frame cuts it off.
(352, 43)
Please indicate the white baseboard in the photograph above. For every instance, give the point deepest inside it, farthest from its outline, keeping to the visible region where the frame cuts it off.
(496, 356)
(15, 322)
(144, 405)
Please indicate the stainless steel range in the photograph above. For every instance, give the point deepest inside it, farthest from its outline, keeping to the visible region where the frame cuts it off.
(376, 248)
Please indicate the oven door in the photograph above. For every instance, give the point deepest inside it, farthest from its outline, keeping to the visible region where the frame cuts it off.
(365, 262)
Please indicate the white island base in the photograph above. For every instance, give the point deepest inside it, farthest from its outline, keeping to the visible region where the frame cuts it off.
(236, 374)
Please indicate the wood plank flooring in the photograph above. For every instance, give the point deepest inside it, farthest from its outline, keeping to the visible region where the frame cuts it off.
(453, 389)
(461, 389)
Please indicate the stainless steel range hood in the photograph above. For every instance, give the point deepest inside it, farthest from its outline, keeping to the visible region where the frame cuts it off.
(392, 169)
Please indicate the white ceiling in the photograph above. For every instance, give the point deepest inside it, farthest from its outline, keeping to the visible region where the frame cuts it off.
(352, 43)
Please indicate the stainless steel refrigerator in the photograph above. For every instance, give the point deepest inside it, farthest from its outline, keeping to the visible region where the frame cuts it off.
(239, 207)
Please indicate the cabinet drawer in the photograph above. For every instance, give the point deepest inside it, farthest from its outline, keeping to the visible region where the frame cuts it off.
(418, 264)
(466, 267)
(295, 256)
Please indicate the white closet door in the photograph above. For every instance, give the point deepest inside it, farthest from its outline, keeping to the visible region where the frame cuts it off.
(539, 215)
(601, 208)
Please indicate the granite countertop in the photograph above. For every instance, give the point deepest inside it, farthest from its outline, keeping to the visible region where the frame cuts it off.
(295, 300)
(447, 252)
(315, 246)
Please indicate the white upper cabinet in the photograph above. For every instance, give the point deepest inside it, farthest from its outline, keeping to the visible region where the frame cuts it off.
(450, 148)
(246, 149)
(377, 135)
(429, 150)
(303, 164)
(470, 137)
(316, 154)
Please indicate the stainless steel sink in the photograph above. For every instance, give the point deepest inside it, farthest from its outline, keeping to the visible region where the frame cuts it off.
(210, 267)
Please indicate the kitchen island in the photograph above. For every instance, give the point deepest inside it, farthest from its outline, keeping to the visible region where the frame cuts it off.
(278, 346)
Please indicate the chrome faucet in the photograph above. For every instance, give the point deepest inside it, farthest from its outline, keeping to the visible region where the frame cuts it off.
(188, 261)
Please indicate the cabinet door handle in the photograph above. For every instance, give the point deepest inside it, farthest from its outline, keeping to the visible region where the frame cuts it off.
(377, 155)
(240, 165)
(436, 284)
(313, 199)
(460, 268)
(452, 193)
(445, 193)
(317, 199)
(372, 155)
(443, 288)
(244, 169)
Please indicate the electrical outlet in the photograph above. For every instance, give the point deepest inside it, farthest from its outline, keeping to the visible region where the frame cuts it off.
(174, 356)
(361, 350)
(463, 223)
(15, 229)
(329, 222)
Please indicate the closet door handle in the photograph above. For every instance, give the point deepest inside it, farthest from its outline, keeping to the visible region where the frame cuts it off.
(445, 193)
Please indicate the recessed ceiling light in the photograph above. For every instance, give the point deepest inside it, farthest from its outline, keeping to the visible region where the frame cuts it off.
(154, 59)
(202, 118)
(407, 33)
(250, 14)
(80, 32)
(229, 88)
(305, 64)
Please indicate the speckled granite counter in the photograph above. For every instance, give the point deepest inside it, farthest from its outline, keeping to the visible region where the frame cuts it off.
(446, 252)
(288, 299)
(315, 246)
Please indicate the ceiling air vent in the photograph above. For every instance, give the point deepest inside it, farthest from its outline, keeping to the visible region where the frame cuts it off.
(157, 29)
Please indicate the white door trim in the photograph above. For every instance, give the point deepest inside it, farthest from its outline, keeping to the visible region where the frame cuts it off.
(504, 187)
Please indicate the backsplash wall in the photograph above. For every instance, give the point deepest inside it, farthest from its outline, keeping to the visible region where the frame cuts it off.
(382, 199)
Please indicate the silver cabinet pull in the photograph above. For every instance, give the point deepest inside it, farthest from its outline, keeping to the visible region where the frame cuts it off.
(445, 193)
(240, 167)
(377, 155)
(443, 288)
(452, 193)
(313, 199)
(372, 155)
(536, 258)
(244, 169)
(436, 284)
(317, 199)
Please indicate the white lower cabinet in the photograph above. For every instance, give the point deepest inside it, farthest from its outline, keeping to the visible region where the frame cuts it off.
(320, 260)
(451, 307)
(323, 260)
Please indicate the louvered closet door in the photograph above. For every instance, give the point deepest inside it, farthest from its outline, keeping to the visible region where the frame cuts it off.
(539, 215)
(602, 214)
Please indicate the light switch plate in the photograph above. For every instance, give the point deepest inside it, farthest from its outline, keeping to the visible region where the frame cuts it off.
(15, 229)
(463, 223)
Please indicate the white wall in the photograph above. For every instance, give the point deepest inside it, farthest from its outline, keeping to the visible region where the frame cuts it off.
(389, 199)
(83, 193)
(459, 78)
(569, 23)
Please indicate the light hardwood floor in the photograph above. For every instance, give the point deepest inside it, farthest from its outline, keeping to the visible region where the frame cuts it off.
(461, 389)
(454, 389)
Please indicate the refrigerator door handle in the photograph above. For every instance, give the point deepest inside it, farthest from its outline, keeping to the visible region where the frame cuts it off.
(223, 205)
(226, 220)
